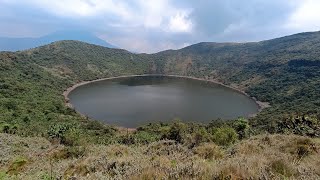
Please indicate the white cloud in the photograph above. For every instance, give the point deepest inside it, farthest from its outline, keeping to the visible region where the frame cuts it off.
(306, 17)
(163, 15)
(180, 22)
(154, 14)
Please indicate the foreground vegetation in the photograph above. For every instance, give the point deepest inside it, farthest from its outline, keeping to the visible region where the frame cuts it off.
(260, 157)
(40, 129)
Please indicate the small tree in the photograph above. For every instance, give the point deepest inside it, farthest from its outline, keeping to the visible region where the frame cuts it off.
(201, 135)
(58, 132)
(225, 136)
(242, 127)
(176, 132)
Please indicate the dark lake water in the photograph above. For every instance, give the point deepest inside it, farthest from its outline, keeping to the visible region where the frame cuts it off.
(135, 101)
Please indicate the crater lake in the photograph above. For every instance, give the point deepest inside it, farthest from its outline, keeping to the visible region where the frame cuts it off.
(135, 101)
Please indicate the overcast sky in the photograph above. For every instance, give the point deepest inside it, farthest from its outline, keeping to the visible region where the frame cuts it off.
(155, 25)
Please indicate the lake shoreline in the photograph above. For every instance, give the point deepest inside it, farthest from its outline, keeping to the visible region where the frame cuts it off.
(261, 105)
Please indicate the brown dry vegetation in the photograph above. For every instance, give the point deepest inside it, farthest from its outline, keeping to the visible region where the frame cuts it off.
(259, 157)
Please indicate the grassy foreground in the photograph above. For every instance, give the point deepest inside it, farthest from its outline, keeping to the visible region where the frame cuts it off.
(259, 157)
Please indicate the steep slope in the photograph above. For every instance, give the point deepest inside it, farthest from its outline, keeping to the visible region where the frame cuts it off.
(225, 60)
(82, 61)
(32, 82)
(283, 71)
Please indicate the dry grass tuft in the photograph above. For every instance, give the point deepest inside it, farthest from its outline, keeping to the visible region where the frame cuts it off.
(209, 151)
(17, 165)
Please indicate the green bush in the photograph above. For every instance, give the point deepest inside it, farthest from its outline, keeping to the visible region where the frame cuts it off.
(5, 128)
(145, 137)
(176, 132)
(72, 137)
(242, 127)
(127, 139)
(225, 136)
(9, 129)
(198, 136)
(57, 131)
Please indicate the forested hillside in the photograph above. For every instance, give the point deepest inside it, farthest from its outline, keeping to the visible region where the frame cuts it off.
(284, 72)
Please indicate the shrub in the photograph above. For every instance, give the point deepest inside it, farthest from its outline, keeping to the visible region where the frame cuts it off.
(9, 129)
(14, 129)
(199, 136)
(145, 137)
(94, 125)
(72, 137)
(5, 128)
(242, 127)
(225, 136)
(57, 131)
(126, 139)
(176, 132)
(65, 134)
(26, 119)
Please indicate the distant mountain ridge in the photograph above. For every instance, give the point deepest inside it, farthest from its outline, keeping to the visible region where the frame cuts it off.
(17, 44)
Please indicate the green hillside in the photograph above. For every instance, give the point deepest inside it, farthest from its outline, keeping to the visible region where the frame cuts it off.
(284, 72)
